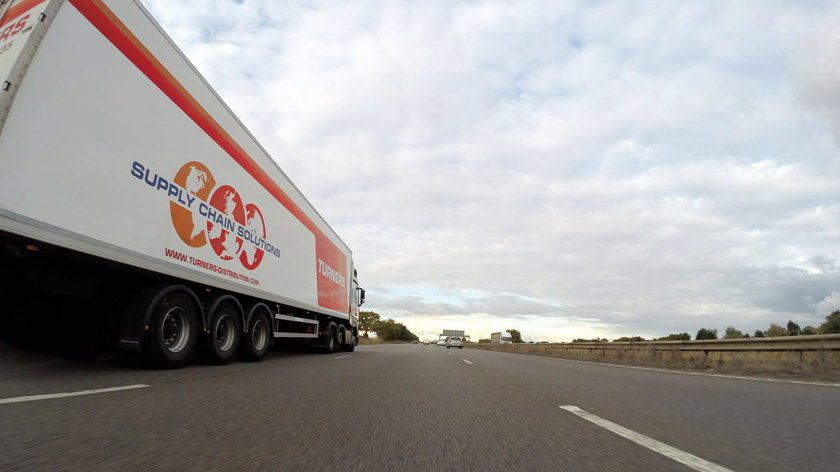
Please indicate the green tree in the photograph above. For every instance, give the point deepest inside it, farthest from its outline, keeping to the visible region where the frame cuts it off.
(732, 333)
(367, 319)
(389, 331)
(793, 329)
(831, 324)
(809, 331)
(775, 331)
(516, 335)
(758, 334)
(631, 339)
(703, 334)
(675, 337)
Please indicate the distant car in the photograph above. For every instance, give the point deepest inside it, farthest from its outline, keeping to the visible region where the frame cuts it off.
(454, 341)
(415, 342)
(441, 342)
(426, 342)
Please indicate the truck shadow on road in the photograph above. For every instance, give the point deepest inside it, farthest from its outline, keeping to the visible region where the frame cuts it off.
(45, 358)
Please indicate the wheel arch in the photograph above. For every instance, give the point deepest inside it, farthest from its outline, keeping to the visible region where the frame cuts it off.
(216, 301)
(166, 290)
(252, 309)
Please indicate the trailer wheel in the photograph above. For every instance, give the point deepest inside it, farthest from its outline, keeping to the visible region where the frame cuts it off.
(220, 345)
(331, 345)
(255, 343)
(352, 346)
(173, 333)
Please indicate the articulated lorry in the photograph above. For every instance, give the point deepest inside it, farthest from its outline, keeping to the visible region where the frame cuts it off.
(134, 204)
(501, 338)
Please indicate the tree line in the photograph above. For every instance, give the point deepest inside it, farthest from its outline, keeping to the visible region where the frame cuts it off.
(831, 325)
(387, 330)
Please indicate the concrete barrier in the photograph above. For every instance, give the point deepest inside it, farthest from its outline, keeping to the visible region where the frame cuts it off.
(817, 356)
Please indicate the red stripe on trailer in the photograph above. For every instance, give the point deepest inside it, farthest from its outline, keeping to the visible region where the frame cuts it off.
(330, 294)
(19, 9)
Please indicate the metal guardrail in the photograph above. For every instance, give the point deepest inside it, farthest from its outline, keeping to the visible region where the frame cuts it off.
(826, 342)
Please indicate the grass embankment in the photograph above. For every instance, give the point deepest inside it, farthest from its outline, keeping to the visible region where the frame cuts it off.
(811, 365)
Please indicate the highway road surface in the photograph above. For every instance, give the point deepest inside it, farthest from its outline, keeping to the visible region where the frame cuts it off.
(404, 407)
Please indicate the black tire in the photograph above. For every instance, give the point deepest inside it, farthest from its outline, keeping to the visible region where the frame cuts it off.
(255, 342)
(173, 331)
(331, 343)
(352, 346)
(220, 345)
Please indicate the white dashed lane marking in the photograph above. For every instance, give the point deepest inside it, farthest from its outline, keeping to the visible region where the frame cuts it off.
(33, 398)
(673, 453)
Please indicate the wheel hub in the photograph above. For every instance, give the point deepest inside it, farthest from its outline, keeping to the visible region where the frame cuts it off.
(174, 330)
(224, 333)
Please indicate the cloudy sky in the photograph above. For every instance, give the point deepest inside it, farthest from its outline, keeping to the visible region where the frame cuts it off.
(569, 169)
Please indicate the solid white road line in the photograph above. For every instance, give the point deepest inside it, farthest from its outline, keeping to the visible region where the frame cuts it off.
(468, 362)
(684, 458)
(449, 353)
(342, 357)
(33, 398)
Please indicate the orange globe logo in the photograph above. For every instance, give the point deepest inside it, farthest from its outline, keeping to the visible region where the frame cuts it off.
(195, 178)
(218, 217)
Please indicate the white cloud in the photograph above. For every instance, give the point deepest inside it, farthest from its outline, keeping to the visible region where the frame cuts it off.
(829, 304)
(588, 169)
(814, 68)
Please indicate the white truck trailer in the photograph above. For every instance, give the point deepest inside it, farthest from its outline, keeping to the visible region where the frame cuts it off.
(131, 195)
(501, 338)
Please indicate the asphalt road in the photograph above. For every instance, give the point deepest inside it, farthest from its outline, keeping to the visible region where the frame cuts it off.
(407, 407)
